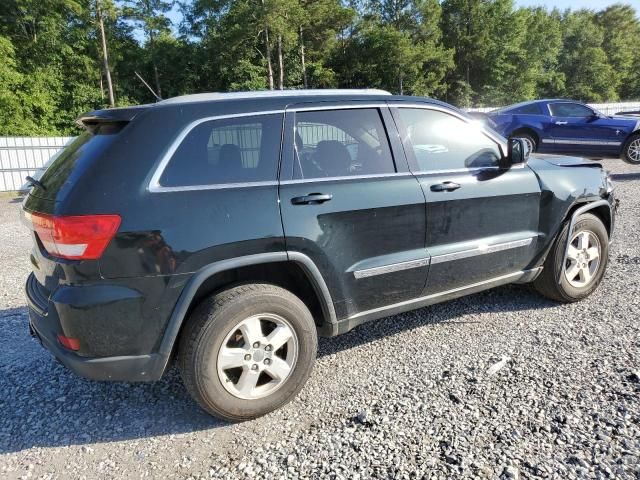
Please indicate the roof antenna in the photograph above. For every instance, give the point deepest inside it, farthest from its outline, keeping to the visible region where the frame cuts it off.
(147, 85)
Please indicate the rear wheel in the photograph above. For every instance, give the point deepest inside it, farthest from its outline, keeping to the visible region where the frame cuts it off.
(529, 140)
(247, 351)
(631, 150)
(580, 274)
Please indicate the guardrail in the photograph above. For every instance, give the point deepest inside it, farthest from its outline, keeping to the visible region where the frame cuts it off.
(22, 156)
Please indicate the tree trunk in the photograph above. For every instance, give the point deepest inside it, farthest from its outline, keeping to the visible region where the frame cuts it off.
(105, 55)
(156, 75)
(305, 83)
(269, 65)
(280, 64)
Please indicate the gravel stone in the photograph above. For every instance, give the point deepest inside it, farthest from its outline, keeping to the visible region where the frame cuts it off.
(406, 397)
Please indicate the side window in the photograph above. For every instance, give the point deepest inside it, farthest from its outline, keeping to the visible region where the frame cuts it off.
(570, 110)
(443, 142)
(532, 109)
(341, 143)
(236, 150)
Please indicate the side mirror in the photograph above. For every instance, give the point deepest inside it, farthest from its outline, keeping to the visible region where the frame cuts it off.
(518, 151)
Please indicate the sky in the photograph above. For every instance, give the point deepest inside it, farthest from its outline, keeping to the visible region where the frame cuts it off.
(576, 4)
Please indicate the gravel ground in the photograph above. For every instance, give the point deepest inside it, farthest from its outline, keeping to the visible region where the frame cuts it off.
(502, 384)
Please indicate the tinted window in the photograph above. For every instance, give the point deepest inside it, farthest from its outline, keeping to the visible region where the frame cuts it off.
(237, 150)
(570, 110)
(339, 143)
(532, 109)
(442, 142)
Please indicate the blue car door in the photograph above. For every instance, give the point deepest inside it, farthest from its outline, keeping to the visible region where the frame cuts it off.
(576, 128)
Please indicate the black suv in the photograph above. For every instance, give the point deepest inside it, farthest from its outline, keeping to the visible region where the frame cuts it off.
(228, 230)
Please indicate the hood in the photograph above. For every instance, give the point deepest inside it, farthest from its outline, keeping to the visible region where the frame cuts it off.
(562, 161)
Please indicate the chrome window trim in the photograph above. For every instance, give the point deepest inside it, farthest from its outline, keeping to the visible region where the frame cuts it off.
(154, 184)
(391, 268)
(349, 105)
(481, 250)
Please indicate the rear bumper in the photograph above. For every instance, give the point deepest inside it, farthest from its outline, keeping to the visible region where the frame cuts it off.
(45, 325)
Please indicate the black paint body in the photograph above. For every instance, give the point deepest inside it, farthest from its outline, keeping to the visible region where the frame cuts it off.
(127, 307)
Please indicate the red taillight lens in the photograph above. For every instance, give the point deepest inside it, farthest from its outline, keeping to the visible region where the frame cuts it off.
(70, 343)
(77, 237)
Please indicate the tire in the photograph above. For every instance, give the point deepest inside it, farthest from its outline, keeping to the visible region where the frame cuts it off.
(631, 150)
(529, 140)
(214, 342)
(570, 287)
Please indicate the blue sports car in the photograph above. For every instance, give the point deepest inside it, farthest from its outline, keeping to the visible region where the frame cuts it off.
(569, 127)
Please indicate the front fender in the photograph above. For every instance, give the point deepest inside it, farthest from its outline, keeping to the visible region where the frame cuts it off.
(565, 190)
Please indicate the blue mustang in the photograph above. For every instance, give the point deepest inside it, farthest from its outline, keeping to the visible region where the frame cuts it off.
(569, 127)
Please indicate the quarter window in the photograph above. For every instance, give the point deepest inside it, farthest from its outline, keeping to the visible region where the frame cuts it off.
(341, 143)
(441, 141)
(570, 110)
(237, 150)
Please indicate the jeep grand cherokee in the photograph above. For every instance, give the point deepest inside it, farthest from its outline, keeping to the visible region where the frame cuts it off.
(226, 231)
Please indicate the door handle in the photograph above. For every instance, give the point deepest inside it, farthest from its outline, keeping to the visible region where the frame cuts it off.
(312, 199)
(445, 187)
(561, 123)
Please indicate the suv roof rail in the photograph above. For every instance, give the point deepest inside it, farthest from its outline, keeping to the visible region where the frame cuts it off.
(206, 97)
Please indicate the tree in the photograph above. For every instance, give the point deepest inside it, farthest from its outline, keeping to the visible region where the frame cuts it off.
(583, 60)
(150, 15)
(621, 43)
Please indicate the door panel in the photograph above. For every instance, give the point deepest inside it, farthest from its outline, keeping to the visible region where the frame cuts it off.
(482, 218)
(485, 229)
(368, 238)
(574, 128)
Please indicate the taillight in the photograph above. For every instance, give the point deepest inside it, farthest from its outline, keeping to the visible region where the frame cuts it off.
(68, 342)
(83, 237)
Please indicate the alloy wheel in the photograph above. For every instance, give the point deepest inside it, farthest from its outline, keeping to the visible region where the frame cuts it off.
(583, 259)
(257, 356)
(633, 151)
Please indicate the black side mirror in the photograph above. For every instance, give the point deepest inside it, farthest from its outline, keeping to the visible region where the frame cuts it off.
(518, 151)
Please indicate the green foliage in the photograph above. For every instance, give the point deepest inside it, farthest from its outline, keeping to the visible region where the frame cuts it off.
(468, 52)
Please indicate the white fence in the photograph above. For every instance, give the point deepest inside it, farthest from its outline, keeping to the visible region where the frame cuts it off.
(22, 156)
(606, 108)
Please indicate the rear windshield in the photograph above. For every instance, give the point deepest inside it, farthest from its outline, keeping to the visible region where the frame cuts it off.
(75, 158)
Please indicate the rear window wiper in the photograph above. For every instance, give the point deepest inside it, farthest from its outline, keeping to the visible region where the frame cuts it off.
(33, 182)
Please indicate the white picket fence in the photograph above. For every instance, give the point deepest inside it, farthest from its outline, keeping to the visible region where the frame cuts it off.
(22, 156)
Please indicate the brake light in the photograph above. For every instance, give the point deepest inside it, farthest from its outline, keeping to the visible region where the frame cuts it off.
(82, 237)
(68, 342)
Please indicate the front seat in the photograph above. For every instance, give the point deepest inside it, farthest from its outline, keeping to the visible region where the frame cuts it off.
(333, 157)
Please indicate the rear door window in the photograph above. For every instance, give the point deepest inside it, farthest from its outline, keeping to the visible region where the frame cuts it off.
(227, 151)
(341, 143)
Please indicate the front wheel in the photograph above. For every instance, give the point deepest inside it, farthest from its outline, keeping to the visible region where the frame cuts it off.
(631, 150)
(577, 276)
(247, 351)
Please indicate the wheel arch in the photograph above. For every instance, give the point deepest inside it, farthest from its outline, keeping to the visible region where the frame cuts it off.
(293, 271)
(529, 131)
